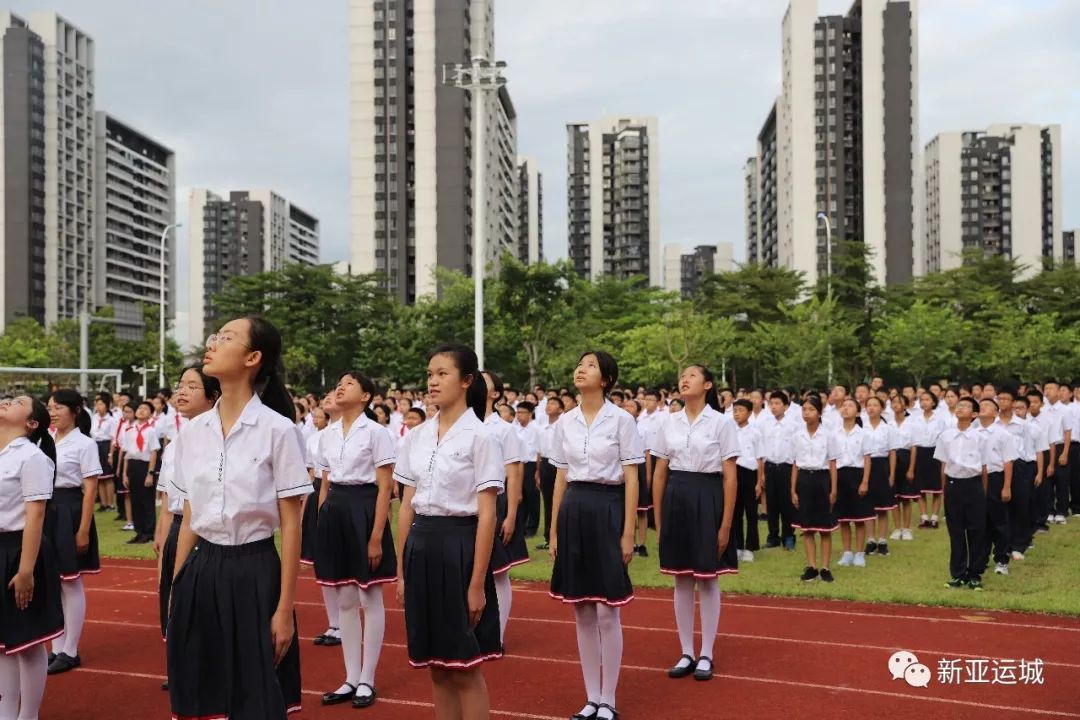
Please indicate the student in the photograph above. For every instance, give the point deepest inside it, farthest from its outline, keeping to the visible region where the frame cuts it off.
(750, 474)
(1028, 468)
(545, 470)
(123, 510)
(509, 548)
(853, 503)
(141, 444)
(906, 490)
(240, 470)
(1069, 449)
(1043, 497)
(309, 515)
(357, 456)
(102, 429)
(999, 448)
(925, 428)
(645, 502)
(878, 437)
(813, 488)
(196, 393)
(963, 475)
(528, 439)
(452, 468)
(31, 613)
(777, 431)
(597, 450)
(69, 519)
(946, 411)
(695, 491)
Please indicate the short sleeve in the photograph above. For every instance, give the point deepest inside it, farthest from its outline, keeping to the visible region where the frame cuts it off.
(168, 467)
(558, 451)
(488, 463)
(1011, 448)
(511, 447)
(759, 444)
(89, 461)
(728, 436)
(403, 471)
(383, 448)
(631, 448)
(153, 440)
(941, 452)
(659, 448)
(1042, 444)
(290, 473)
(37, 476)
(896, 439)
(178, 481)
(832, 447)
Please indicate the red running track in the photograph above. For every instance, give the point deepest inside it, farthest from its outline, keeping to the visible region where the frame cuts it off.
(774, 658)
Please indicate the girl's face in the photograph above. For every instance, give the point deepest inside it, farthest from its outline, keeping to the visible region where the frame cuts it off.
(848, 410)
(445, 384)
(129, 413)
(506, 413)
(321, 419)
(17, 411)
(692, 383)
(411, 420)
(381, 416)
(568, 403)
(873, 408)
(159, 404)
(190, 395)
(142, 413)
(60, 416)
(228, 351)
(926, 402)
(810, 414)
(350, 395)
(100, 407)
(898, 406)
(587, 374)
(951, 398)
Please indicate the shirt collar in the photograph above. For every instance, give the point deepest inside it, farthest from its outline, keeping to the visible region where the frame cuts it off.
(606, 410)
(361, 420)
(15, 444)
(467, 419)
(248, 416)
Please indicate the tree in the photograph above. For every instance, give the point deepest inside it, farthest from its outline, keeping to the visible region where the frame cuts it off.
(24, 344)
(921, 340)
(655, 354)
(793, 348)
(751, 294)
(1055, 291)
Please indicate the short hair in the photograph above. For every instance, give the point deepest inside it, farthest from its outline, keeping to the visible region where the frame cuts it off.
(743, 403)
(971, 402)
(619, 393)
(781, 396)
(991, 400)
(1034, 393)
(417, 412)
(527, 406)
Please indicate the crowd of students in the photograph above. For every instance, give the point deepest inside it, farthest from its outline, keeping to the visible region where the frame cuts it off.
(233, 457)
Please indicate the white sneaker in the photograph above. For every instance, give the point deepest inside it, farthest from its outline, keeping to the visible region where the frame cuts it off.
(1001, 569)
(748, 556)
(1060, 520)
(846, 559)
(860, 559)
(129, 526)
(896, 534)
(1017, 555)
(907, 535)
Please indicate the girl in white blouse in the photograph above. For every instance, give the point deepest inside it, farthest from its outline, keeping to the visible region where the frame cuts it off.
(906, 490)
(141, 444)
(597, 450)
(231, 639)
(354, 548)
(331, 637)
(853, 505)
(69, 520)
(813, 488)
(695, 488)
(30, 609)
(452, 469)
(879, 439)
(926, 427)
(102, 430)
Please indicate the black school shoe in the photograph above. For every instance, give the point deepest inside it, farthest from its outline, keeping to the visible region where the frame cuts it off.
(883, 549)
(975, 583)
(677, 672)
(699, 673)
(871, 547)
(363, 701)
(579, 716)
(956, 583)
(336, 698)
(809, 574)
(62, 663)
(165, 685)
(826, 575)
(643, 551)
(772, 542)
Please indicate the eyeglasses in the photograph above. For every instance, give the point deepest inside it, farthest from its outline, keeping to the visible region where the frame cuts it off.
(217, 339)
(188, 388)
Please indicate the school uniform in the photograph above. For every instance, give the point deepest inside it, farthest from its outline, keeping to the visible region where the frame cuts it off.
(102, 430)
(1059, 483)
(965, 500)
(999, 450)
(346, 519)
(1072, 504)
(589, 565)
(506, 555)
(547, 473)
(746, 467)
(902, 443)
(813, 484)
(169, 426)
(309, 520)
(1030, 441)
(139, 443)
(878, 442)
(26, 475)
(924, 437)
(644, 500)
(220, 655)
(776, 437)
(175, 504)
(529, 509)
(852, 449)
(1046, 494)
(448, 474)
(117, 453)
(76, 460)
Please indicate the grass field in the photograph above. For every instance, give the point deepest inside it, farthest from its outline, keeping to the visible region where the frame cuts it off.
(914, 573)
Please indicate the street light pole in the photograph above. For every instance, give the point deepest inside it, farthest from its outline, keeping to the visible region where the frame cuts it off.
(828, 275)
(479, 77)
(161, 306)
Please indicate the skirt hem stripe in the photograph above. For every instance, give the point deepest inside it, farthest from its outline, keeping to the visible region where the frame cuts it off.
(354, 581)
(513, 563)
(700, 575)
(605, 601)
(32, 643)
(455, 664)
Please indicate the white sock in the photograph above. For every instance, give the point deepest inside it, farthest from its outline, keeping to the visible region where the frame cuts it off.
(73, 597)
(588, 642)
(348, 602)
(9, 687)
(709, 597)
(611, 647)
(374, 630)
(924, 517)
(882, 541)
(505, 595)
(33, 670)
(329, 599)
(684, 613)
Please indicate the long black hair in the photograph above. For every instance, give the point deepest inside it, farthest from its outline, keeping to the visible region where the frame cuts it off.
(367, 385)
(73, 401)
(266, 339)
(468, 367)
(609, 369)
(211, 385)
(497, 385)
(712, 397)
(40, 435)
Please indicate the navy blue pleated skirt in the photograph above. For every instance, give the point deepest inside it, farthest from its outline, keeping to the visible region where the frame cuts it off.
(63, 515)
(850, 506)
(515, 552)
(43, 618)
(589, 565)
(309, 523)
(905, 489)
(927, 470)
(342, 535)
(438, 559)
(644, 498)
(814, 514)
(693, 511)
(168, 567)
(882, 494)
(104, 448)
(219, 647)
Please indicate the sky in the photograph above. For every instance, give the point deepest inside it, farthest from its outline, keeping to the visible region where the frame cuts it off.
(253, 94)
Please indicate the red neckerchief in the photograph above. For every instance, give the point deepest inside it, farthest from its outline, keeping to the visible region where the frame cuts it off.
(140, 441)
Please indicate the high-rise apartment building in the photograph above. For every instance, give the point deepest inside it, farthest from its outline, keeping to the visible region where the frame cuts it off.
(530, 193)
(613, 206)
(684, 270)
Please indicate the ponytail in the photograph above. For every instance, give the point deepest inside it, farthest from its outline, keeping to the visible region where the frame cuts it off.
(476, 395)
(496, 385)
(82, 421)
(469, 367)
(264, 338)
(40, 435)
